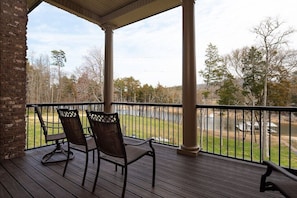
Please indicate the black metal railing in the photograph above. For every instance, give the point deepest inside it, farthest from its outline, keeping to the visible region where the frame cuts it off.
(229, 131)
(249, 133)
(163, 122)
(35, 137)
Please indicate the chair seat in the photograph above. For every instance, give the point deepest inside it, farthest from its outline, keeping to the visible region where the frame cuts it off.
(281, 179)
(286, 187)
(90, 142)
(54, 137)
(133, 153)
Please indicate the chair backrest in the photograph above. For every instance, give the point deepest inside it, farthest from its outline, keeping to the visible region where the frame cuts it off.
(42, 123)
(72, 126)
(107, 131)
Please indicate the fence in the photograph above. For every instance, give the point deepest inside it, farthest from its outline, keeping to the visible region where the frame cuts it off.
(242, 132)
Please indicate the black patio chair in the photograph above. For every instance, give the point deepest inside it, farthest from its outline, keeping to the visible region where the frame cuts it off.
(76, 138)
(284, 181)
(58, 138)
(109, 139)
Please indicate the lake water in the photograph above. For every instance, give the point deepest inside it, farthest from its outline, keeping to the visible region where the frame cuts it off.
(284, 127)
(208, 123)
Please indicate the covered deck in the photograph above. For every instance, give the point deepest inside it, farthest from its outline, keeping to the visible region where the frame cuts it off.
(176, 176)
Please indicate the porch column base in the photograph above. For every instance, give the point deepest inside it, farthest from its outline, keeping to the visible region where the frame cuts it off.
(189, 151)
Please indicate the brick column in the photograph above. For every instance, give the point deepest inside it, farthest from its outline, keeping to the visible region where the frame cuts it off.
(13, 22)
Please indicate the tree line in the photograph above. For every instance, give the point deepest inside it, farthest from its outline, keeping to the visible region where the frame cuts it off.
(47, 83)
(263, 74)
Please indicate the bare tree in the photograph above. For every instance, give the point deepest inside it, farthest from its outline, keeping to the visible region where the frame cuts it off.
(38, 79)
(90, 76)
(272, 40)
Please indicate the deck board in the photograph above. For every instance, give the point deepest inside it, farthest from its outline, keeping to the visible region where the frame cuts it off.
(176, 176)
(28, 183)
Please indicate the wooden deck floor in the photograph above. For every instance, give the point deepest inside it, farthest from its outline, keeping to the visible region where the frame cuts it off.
(176, 176)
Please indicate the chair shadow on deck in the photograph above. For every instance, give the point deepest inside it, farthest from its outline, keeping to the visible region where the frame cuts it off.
(59, 154)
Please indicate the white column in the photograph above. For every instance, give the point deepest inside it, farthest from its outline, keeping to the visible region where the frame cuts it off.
(108, 68)
(189, 146)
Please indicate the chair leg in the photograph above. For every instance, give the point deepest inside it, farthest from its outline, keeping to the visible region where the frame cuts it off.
(68, 155)
(125, 181)
(71, 155)
(48, 156)
(116, 169)
(58, 150)
(154, 169)
(86, 167)
(97, 173)
(263, 179)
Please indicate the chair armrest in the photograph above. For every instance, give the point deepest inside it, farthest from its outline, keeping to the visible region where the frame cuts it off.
(150, 140)
(273, 166)
(150, 151)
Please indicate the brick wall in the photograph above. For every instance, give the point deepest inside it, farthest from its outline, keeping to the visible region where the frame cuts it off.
(13, 22)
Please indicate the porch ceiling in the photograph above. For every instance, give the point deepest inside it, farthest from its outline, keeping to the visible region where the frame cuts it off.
(116, 12)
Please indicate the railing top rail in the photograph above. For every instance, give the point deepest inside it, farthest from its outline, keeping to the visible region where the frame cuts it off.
(60, 104)
(241, 107)
(148, 104)
(238, 107)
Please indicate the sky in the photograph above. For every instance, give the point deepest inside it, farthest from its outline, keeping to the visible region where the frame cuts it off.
(151, 50)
